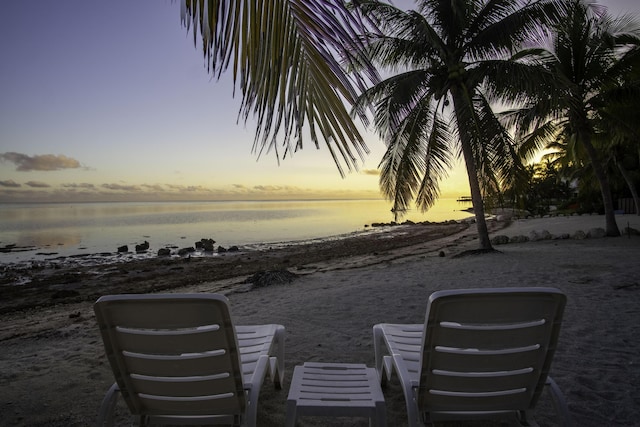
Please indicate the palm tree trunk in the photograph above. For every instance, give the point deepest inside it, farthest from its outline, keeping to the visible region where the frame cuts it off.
(472, 172)
(631, 185)
(607, 199)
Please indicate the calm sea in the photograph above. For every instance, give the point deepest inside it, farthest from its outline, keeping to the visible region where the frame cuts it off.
(55, 230)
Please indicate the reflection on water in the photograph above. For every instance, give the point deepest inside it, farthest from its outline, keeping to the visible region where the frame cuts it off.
(102, 227)
(47, 239)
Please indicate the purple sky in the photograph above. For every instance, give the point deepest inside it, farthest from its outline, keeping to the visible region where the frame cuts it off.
(110, 99)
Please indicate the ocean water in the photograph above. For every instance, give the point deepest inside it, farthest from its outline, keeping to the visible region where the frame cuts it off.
(45, 231)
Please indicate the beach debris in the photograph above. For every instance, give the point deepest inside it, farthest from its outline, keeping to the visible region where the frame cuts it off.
(266, 278)
(143, 247)
(123, 248)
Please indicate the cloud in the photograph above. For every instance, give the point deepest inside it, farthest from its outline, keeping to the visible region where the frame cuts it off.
(189, 188)
(197, 188)
(374, 172)
(37, 184)
(10, 184)
(44, 162)
(82, 185)
(120, 187)
(154, 187)
(275, 188)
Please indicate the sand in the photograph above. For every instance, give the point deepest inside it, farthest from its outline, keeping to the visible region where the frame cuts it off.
(53, 370)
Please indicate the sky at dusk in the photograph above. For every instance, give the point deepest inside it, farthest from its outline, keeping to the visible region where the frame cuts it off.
(103, 101)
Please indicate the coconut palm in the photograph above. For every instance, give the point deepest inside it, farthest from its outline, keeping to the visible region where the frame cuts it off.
(448, 63)
(287, 57)
(620, 128)
(589, 53)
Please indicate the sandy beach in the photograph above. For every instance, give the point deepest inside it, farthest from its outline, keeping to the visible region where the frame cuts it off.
(53, 371)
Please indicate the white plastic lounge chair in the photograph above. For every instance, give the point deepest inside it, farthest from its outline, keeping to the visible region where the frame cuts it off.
(177, 358)
(480, 354)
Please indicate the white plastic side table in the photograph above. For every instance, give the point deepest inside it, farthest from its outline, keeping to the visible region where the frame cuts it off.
(336, 389)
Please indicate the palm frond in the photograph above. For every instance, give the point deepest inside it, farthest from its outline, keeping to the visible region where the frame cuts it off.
(286, 56)
(502, 26)
(417, 158)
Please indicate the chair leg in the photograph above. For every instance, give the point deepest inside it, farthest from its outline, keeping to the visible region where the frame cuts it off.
(378, 342)
(559, 403)
(107, 408)
(290, 420)
(380, 417)
(412, 409)
(277, 365)
(253, 393)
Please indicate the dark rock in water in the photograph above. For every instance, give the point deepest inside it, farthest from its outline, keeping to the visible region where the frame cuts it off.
(124, 248)
(207, 244)
(221, 250)
(164, 252)
(271, 277)
(142, 247)
(234, 249)
(441, 254)
(185, 251)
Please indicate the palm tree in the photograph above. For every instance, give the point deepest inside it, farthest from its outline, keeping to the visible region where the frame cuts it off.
(589, 53)
(620, 127)
(448, 63)
(288, 57)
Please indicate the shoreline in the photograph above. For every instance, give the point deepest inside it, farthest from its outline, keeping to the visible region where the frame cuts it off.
(54, 372)
(26, 286)
(86, 230)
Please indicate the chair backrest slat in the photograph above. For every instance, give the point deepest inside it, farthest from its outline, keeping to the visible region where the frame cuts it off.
(170, 341)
